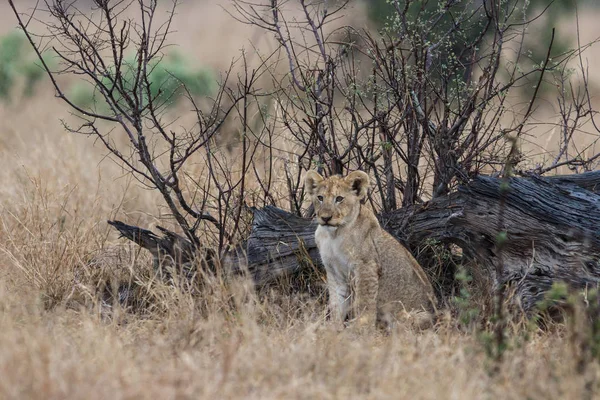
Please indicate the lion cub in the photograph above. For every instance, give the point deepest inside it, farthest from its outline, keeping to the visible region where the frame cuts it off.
(370, 275)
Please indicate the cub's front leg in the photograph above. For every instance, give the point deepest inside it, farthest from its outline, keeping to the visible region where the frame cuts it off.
(367, 288)
(339, 298)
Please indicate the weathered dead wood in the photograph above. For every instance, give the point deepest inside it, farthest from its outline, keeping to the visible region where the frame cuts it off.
(552, 226)
(169, 250)
(279, 242)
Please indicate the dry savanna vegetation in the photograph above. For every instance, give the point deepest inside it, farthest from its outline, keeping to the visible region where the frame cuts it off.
(84, 313)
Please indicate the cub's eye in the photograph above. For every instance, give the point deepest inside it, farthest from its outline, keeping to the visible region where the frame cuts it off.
(320, 198)
(339, 199)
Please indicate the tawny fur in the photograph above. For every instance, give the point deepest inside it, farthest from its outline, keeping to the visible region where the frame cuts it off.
(370, 275)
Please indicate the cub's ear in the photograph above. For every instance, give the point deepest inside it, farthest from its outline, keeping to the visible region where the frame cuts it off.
(311, 179)
(359, 181)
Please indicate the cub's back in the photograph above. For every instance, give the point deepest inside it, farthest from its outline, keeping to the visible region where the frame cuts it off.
(403, 282)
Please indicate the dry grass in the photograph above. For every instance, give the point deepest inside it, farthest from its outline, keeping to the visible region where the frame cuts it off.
(57, 342)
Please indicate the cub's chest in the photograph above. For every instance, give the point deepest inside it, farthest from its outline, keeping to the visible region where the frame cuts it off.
(334, 252)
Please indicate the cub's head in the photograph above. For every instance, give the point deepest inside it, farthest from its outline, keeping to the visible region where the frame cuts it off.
(336, 199)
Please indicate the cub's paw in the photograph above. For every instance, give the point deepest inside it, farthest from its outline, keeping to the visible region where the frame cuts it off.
(419, 320)
(364, 324)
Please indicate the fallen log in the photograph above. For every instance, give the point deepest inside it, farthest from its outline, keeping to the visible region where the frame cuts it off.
(552, 226)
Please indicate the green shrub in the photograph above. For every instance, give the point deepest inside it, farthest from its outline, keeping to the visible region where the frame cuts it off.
(468, 312)
(379, 11)
(383, 12)
(168, 79)
(18, 62)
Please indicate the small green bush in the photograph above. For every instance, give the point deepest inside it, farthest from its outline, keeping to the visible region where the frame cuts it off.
(168, 79)
(18, 62)
(468, 312)
(383, 12)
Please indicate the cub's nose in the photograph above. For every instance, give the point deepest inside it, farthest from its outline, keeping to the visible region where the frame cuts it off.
(326, 219)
